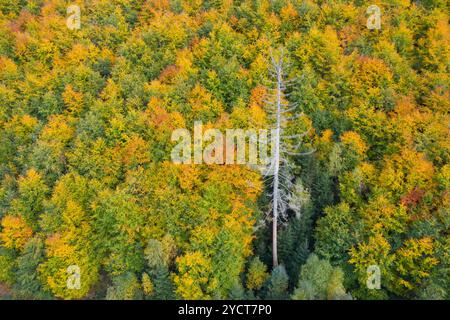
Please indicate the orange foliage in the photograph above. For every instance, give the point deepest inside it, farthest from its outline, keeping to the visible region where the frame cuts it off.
(15, 232)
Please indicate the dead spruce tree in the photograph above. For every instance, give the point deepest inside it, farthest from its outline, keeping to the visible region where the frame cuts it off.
(286, 141)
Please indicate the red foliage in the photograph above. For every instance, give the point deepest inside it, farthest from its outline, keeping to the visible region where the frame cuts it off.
(413, 198)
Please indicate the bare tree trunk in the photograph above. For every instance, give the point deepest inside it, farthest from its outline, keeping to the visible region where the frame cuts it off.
(276, 170)
(285, 145)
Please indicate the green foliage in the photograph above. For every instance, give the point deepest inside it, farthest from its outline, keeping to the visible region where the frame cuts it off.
(432, 291)
(28, 285)
(32, 192)
(256, 274)
(86, 179)
(159, 255)
(237, 292)
(336, 232)
(320, 281)
(125, 287)
(278, 284)
(294, 243)
(7, 264)
(163, 284)
(115, 215)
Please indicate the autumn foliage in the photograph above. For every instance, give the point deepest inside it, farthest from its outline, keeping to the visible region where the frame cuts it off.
(86, 179)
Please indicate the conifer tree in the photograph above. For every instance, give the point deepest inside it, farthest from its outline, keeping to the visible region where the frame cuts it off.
(286, 141)
(278, 285)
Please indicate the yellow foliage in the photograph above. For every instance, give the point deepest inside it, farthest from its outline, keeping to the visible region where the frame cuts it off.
(147, 285)
(56, 246)
(257, 275)
(194, 281)
(288, 12)
(405, 171)
(414, 261)
(203, 103)
(135, 151)
(184, 63)
(381, 216)
(15, 232)
(72, 99)
(351, 138)
(8, 69)
(58, 130)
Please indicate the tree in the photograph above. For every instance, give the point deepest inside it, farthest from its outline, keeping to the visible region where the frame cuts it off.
(159, 256)
(67, 226)
(147, 285)
(278, 285)
(256, 274)
(15, 232)
(237, 292)
(162, 284)
(285, 143)
(28, 284)
(68, 256)
(7, 266)
(116, 235)
(319, 280)
(125, 287)
(193, 281)
(87, 183)
(31, 195)
(336, 233)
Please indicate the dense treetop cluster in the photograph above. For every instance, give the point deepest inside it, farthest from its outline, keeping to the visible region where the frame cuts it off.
(86, 179)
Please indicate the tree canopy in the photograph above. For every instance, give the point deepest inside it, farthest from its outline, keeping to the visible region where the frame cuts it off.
(86, 178)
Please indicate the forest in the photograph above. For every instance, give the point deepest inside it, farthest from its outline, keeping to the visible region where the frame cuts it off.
(93, 207)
